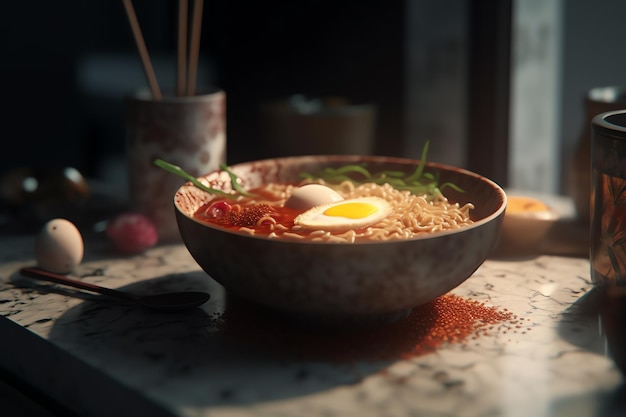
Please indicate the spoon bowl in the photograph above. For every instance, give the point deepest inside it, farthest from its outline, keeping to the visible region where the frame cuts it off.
(171, 301)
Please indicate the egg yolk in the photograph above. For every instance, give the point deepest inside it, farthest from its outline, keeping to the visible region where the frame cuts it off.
(351, 210)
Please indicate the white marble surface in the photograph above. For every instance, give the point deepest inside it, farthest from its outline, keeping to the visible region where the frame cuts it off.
(107, 358)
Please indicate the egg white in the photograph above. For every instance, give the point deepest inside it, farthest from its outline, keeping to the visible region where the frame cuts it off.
(316, 219)
(312, 195)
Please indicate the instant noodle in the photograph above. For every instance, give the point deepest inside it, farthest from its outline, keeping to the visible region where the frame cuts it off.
(267, 214)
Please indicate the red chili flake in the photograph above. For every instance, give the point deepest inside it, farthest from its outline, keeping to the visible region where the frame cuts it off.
(227, 214)
(250, 216)
(447, 320)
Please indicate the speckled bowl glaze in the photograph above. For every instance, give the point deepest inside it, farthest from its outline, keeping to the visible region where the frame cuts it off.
(341, 282)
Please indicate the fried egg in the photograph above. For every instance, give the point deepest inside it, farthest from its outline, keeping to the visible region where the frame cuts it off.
(344, 215)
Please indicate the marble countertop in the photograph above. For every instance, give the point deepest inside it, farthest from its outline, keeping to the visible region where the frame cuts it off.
(104, 358)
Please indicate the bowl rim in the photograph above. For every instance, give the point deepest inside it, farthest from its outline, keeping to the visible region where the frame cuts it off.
(499, 212)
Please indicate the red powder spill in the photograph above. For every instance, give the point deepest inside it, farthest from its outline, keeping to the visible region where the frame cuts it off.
(447, 320)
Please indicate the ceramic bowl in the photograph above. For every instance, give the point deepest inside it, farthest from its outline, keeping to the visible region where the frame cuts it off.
(341, 282)
(527, 222)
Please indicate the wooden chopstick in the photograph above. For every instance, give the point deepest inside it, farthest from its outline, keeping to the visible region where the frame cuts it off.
(194, 47)
(181, 82)
(143, 50)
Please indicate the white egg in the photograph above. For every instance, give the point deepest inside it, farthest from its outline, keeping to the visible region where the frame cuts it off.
(311, 195)
(344, 215)
(59, 247)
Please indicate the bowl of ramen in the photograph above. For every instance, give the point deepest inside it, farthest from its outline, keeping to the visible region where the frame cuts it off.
(340, 238)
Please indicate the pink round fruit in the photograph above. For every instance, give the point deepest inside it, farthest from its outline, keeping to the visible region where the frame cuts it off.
(132, 233)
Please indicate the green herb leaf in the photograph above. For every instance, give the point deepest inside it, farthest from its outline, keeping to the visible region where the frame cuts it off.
(451, 185)
(419, 182)
(420, 168)
(349, 169)
(175, 169)
(234, 180)
(395, 174)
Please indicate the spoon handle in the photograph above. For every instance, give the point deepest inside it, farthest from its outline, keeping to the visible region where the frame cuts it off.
(63, 280)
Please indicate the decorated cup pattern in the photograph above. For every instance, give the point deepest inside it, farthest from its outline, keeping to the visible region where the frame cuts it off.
(186, 131)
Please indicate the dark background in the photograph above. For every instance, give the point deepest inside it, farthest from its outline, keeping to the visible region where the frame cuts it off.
(256, 51)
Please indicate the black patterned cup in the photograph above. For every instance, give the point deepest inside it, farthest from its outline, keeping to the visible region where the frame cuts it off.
(608, 225)
(608, 199)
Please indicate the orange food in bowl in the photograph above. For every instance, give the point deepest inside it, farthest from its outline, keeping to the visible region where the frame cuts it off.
(520, 204)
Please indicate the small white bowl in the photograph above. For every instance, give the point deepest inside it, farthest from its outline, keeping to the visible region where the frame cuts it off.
(527, 222)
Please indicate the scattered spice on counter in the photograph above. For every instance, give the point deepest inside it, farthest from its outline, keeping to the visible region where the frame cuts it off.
(447, 320)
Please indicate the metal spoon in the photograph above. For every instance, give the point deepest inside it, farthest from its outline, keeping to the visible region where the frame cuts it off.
(173, 301)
